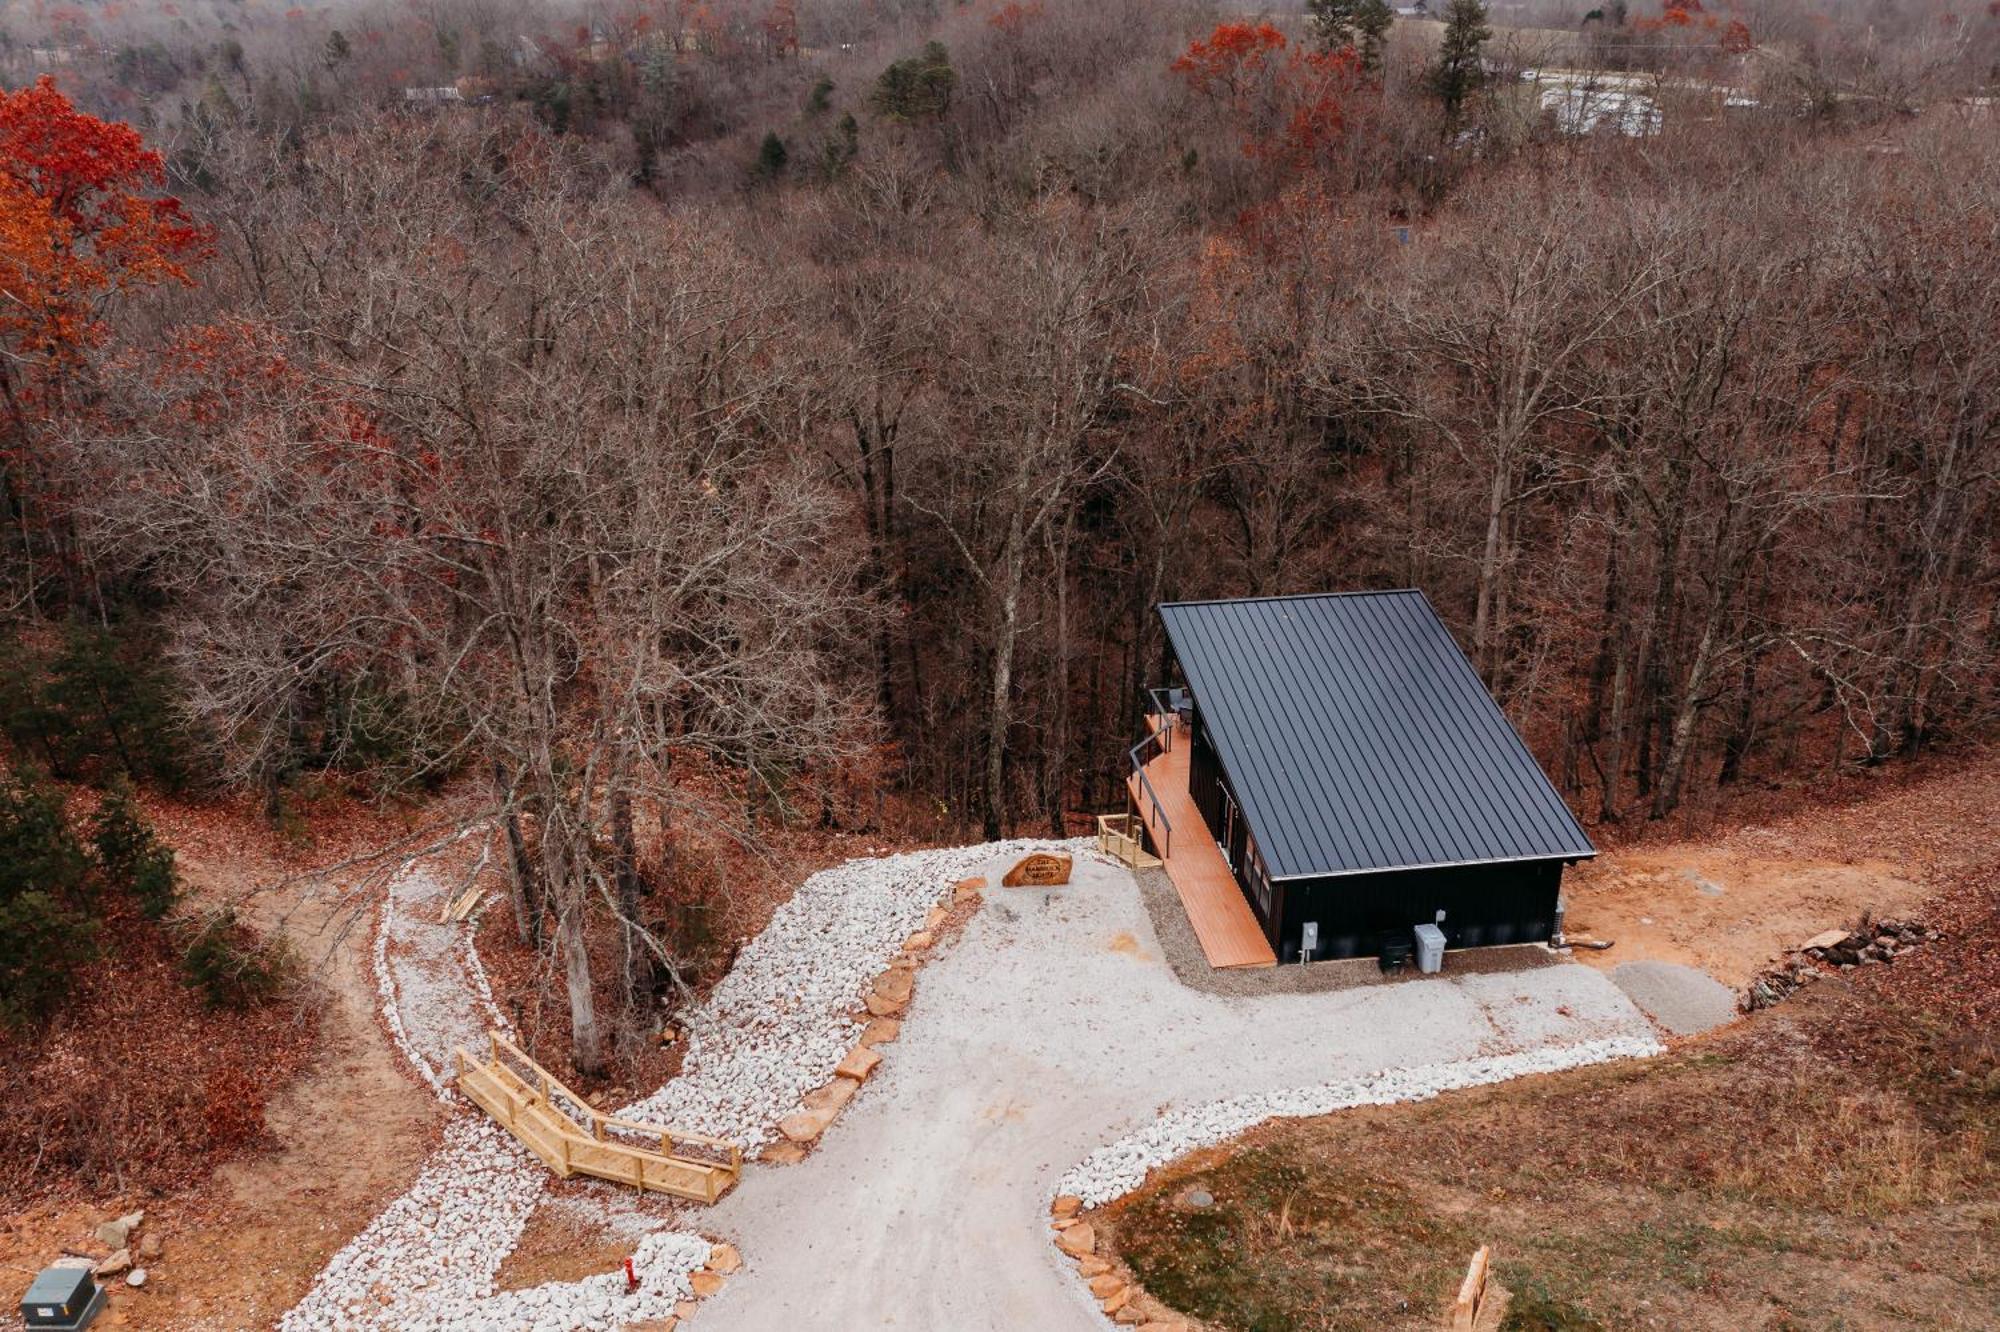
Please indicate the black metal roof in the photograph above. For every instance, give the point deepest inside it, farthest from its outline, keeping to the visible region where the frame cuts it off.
(1357, 736)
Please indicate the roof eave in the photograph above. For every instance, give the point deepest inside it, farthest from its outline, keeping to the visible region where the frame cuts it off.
(1567, 857)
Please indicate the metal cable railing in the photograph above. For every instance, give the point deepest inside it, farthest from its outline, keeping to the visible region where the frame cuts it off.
(1163, 739)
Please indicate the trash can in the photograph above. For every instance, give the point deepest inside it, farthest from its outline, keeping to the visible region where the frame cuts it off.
(61, 1299)
(1430, 949)
(1394, 950)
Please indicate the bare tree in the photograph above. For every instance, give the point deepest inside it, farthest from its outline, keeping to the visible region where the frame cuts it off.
(544, 491)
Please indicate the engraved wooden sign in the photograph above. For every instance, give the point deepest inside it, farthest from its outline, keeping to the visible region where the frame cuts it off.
(1041, 870)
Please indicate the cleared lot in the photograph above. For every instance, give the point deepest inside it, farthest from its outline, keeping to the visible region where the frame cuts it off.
(1053, 1027)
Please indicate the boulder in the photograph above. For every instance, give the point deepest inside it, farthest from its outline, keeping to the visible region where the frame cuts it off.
(881, 1031)
(1079, 1241)
(1824, 939)
(968, 890)
(920, 942)
(1117, 1300)
(1091, 1266)
(150, 1247)
(705, 1285)
(802, 1128)
(1066, 1206)
(116, 1234)
(120, 1261)
(136, 1277)
(782, 1153)
(935, 920)
(878, 1007)
(724, 1258)
(1106, 1284)
(831, 1099)
(860, 1062)
(895, 986)
(1040, 870)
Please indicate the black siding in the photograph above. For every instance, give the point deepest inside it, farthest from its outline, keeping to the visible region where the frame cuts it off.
(1508, 903)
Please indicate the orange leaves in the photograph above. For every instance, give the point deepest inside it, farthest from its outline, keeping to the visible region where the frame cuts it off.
(1291, 102)
(78, 221)
(1013, 16)
(1234, 55)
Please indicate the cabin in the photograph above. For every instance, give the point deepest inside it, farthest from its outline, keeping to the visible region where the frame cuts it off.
(1326, 771)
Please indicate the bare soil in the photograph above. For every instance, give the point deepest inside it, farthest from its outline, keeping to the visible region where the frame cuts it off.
(242, 1243)
(1729, 905)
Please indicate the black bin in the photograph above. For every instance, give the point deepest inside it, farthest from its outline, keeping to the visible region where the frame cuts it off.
(61, 1299)
(1394, 949)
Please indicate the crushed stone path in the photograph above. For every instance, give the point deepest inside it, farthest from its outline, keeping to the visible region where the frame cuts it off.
(1051, 1030)
(774, 1028)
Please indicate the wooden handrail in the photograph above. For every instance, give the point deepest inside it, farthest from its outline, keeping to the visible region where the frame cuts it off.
(531, 1104)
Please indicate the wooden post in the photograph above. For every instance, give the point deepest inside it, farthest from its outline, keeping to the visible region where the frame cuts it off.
(1465, 1309)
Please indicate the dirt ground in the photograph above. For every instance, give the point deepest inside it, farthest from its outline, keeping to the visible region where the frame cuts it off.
(243, 1247)
(1730, 905)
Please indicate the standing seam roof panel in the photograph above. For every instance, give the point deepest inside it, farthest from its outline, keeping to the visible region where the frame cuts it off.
(1357, 737)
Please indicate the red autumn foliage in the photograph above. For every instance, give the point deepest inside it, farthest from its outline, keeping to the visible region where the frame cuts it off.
(80, 219)
(1013, 16)
(1290, 101)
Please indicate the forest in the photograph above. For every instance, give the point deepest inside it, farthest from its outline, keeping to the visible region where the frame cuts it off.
(758, 415)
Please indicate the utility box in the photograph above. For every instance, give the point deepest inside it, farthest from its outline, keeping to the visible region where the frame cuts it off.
(61, 1299)
(1430, 949)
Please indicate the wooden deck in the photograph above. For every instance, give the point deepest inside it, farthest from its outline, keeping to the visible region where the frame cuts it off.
(572, 1137)
(1223, 922)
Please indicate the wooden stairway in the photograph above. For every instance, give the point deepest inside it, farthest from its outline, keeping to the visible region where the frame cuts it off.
(574, 1138)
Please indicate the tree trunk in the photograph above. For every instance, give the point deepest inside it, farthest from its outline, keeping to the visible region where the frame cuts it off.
(586, 1044)
(521, 870)
(1489, 570)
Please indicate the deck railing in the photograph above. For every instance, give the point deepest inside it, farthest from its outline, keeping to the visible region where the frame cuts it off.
(1159, 741)
(574, 1137)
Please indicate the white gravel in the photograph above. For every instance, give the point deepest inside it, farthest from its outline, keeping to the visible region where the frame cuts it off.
(434, 992)
(1109, 1173)
(772, 1030)
(778, 1024)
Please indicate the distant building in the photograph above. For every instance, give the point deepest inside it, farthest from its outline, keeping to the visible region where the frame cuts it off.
(433, 96)
(1584, 110)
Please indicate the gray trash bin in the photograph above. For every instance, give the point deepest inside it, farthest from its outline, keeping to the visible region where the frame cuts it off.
(1430, 949)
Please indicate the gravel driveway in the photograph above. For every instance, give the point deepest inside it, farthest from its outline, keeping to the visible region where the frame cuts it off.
(1053, 1027)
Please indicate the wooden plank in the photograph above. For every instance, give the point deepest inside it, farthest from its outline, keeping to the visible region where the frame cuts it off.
(1465, 1309)
(1224, 924)
(531, 1106)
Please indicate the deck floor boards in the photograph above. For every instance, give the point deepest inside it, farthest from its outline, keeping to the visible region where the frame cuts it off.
(1223, 922)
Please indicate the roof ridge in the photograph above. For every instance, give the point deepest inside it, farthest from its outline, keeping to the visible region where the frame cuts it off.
(1299, 596)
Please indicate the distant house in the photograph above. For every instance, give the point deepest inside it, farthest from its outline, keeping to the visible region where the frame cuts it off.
(438, 96)
(1582, 101)
(1331, 773)
(1580, 110)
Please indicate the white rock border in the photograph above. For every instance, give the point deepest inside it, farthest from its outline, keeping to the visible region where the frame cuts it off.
(1114, 1171)
(1111, 1172)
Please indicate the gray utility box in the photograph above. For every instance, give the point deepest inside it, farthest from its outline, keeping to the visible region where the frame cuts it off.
(61, 1299)
(1430, 949)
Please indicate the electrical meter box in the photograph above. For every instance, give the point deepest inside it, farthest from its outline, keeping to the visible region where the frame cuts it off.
(61, 1299)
